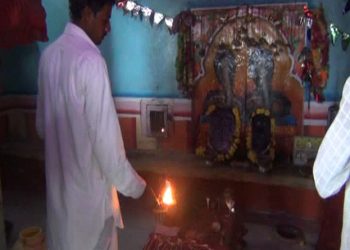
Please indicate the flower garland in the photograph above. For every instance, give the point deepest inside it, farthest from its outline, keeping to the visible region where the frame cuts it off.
(144, 13)
(202, 149)
(314, 57)
(183, 24)
(252, 155)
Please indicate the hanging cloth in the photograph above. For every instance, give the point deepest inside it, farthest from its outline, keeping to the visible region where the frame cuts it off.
(21, 22)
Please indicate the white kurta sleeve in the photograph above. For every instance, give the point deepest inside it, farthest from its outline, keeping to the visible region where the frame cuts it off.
(104, 130)
(331, 168)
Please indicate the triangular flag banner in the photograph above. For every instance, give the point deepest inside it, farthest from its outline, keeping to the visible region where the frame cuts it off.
(121, 4)
(157, 18)
(169, 23)
(130, 5)
(146, 13)
(335, 33)
(136, 10)
(345, 40)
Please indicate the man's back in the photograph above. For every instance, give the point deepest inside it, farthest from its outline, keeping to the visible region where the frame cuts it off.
(74, 179)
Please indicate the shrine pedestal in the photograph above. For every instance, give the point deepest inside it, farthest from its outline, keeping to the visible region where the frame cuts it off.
(210, 229)
(283, 191)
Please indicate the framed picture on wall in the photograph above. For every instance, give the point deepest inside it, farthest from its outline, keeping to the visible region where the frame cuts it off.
(305, 149)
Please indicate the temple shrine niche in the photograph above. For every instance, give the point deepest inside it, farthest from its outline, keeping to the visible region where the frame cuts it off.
(243, 78)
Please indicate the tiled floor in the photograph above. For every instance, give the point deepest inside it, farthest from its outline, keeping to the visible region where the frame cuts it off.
(24, 205)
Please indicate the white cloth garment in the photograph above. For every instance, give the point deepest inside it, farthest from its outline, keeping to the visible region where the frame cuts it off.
(331, 168)
(84, 152)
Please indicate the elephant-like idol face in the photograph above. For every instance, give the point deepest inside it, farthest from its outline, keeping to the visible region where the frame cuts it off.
(260, 69)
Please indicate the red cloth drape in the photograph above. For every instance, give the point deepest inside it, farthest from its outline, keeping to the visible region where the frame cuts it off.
(21, 22)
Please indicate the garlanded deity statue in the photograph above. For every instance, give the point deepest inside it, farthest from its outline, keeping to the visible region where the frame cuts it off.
(220, 130)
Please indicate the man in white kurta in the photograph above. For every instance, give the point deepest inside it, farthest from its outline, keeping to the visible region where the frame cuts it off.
(332, 165)
(84, 152)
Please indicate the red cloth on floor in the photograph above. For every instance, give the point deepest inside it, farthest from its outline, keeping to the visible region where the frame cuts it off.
(21, 22)
(162, 242)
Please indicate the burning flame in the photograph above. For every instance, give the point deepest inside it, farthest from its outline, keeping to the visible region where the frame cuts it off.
(168, 198)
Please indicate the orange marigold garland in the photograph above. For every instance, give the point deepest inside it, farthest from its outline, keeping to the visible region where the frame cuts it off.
(270, 149)
(203, 146)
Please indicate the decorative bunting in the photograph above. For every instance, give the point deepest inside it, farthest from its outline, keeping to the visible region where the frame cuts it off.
(169, 22)
(157, 18)
(136, 10)
(146, 13)
(130, 5)
(345, 40)
(336, 33)
(121, 4)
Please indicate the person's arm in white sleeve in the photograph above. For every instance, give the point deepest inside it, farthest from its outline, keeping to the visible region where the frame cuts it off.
(331, 168)
(104, 129)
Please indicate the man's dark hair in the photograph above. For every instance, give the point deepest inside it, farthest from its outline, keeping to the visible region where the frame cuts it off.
(76, 7)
